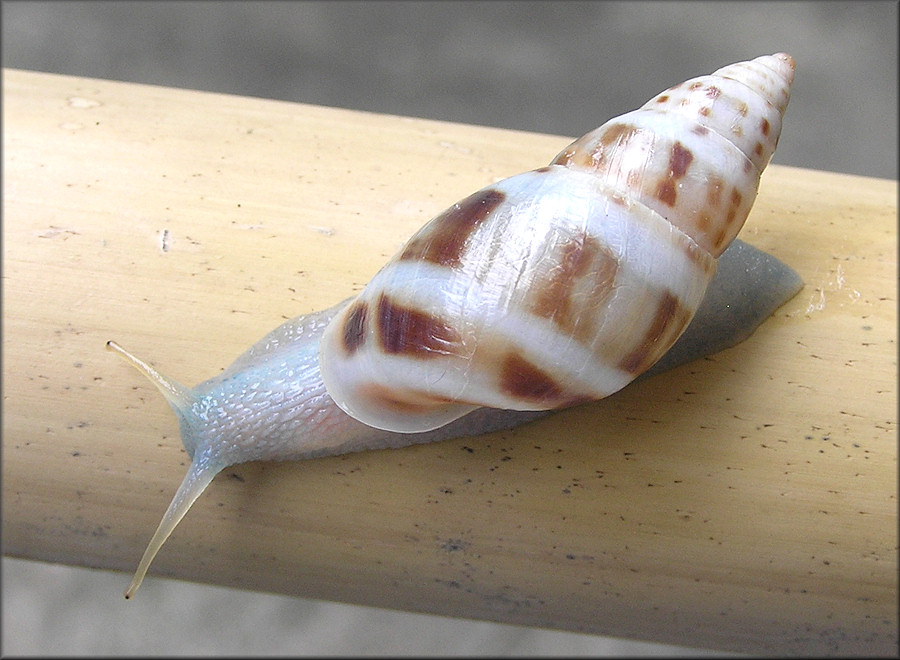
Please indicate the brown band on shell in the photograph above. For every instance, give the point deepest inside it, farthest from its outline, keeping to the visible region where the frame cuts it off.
(735, 202)
(618, 133)
(402, 330)
(590, 151)
(669, 319)
(718, 239)
(698, 256)
(679, 161)
(704, 222)
(562, 296)
(443, 240)
(665, 192)
(524, 381)
(355, 327)
(407, 402)
(714, 187)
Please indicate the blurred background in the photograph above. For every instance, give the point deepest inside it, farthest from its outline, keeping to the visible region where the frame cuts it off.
(552, 67)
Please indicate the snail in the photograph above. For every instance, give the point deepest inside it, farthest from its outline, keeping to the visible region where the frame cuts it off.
(539, 292)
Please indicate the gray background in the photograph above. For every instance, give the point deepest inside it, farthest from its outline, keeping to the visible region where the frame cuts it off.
(554, 67)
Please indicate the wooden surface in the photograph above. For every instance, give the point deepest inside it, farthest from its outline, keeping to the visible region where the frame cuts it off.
(746, 502)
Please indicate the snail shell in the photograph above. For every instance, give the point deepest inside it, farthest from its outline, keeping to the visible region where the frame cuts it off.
(561, 285)
(547, 289)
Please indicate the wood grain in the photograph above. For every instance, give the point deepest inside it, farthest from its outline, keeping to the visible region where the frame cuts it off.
(745, 502)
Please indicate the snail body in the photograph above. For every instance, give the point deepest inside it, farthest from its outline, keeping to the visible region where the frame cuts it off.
(544, 290)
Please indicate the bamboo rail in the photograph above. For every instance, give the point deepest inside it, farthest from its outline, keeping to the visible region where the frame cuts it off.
(744, 502)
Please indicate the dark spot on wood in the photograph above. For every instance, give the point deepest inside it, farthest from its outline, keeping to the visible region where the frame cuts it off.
(355, 327)
(523, 380)
(444, 239)
(412, 332)
(454, 545)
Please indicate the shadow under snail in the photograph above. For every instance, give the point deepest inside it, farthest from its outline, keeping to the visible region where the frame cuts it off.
(547, 289)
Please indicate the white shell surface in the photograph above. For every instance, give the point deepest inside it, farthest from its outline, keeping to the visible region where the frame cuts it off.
(555, 296)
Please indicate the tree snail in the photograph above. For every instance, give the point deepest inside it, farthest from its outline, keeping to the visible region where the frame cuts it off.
(544, 290)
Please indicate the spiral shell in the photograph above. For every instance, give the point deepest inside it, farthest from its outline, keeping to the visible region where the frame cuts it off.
(565, 283)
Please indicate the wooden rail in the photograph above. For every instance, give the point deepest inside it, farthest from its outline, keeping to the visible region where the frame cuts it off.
(745, 502)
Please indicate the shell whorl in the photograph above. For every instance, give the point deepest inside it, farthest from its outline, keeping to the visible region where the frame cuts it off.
(694, 153)
(562, 284)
